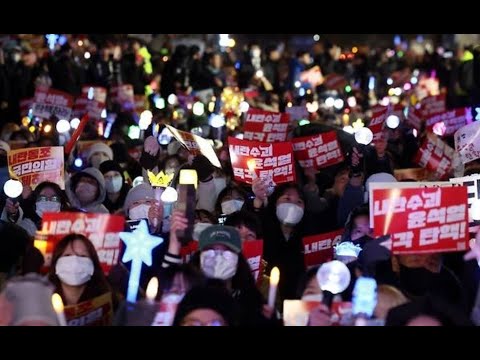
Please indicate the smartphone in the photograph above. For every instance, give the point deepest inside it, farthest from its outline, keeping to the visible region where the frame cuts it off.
(364, 296)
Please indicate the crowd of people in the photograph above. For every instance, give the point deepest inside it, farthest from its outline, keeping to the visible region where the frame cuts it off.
(207, 279)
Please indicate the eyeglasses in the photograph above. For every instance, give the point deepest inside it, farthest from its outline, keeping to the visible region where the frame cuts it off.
(193, 322)
(46, 198)
(227, 254)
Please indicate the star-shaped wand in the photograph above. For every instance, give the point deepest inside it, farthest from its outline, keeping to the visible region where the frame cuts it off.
(139, 245)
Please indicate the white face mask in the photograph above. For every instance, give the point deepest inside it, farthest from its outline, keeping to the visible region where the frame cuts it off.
(219, 264)
(313, 297)
(198, 228)
(114, 184)
(74, 270)
(231, 206)
(139, 212)
(42, 207)
(289, 214)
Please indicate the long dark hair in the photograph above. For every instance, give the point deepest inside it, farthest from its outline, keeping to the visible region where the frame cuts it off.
(228, 190)
(243, 282)
(97, 285)
(278, 192)
(30, 208)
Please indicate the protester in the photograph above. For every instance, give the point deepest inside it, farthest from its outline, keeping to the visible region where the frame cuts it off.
(115, 186)
(86, 191)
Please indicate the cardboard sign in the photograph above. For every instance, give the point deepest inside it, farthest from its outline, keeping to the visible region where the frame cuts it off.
(34, 165)
(435, 156)
(318, 249)
(472, 183)
(312, 76)
(265, 126)
(401, 185)
(318, 151)
(93, 108)
(25, 106)
(297, 113)
(414, 118)
(96, 93)
(196, 145)
(422, 220)
(123, 95)
(51, 102)
(433, 105)
(334, 81)
(253, 252)
(467, 142)
(379, 116)
(101, 229)
(446, 123)
(272, 161)
(297, 312)
(95, 312)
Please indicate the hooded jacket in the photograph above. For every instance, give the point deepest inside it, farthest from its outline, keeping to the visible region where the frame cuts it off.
(96, 206)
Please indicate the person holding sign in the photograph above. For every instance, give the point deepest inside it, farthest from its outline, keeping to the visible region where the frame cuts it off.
(76, 271)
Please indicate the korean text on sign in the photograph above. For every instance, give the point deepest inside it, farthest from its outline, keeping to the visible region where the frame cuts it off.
(318, 151)
(435, 155)
(318, 249)
(253, 252)
(50, 102)
(34, 165)
(422, 220)
(95, 312)
(101, 229)
(272, 161)
(266, 126)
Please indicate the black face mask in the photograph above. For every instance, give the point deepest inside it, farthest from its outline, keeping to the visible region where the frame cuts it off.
(362, 241)
(416, 281)
(3, 161)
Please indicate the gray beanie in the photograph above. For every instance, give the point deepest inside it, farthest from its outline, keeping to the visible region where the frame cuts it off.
(100, 147)
(142, 191)
(31, 296)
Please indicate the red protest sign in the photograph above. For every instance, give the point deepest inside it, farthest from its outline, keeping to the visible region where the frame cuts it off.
(380, 115)
(95, 312)
(188, 250)
(272, 161)
(101, 229)
(318, 249)
(422, 220)
(51, 102)
(266, 126)
(34, 165)
(318, 151)
(96, 93)
(93, 108)
(196, 145)
(434, 155)
(448, 122)
(335, 81)
(312, 76)
(414, 118)
(433, 105)
(253, 252)
(123, 95)
(297, 312)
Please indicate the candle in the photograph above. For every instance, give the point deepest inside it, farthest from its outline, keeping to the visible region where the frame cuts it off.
(251, 167)
(272, 291)
(58, 307)
(152, 289)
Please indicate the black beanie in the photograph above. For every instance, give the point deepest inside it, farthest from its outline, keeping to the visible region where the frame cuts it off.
(207, 297)
(110, 165)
